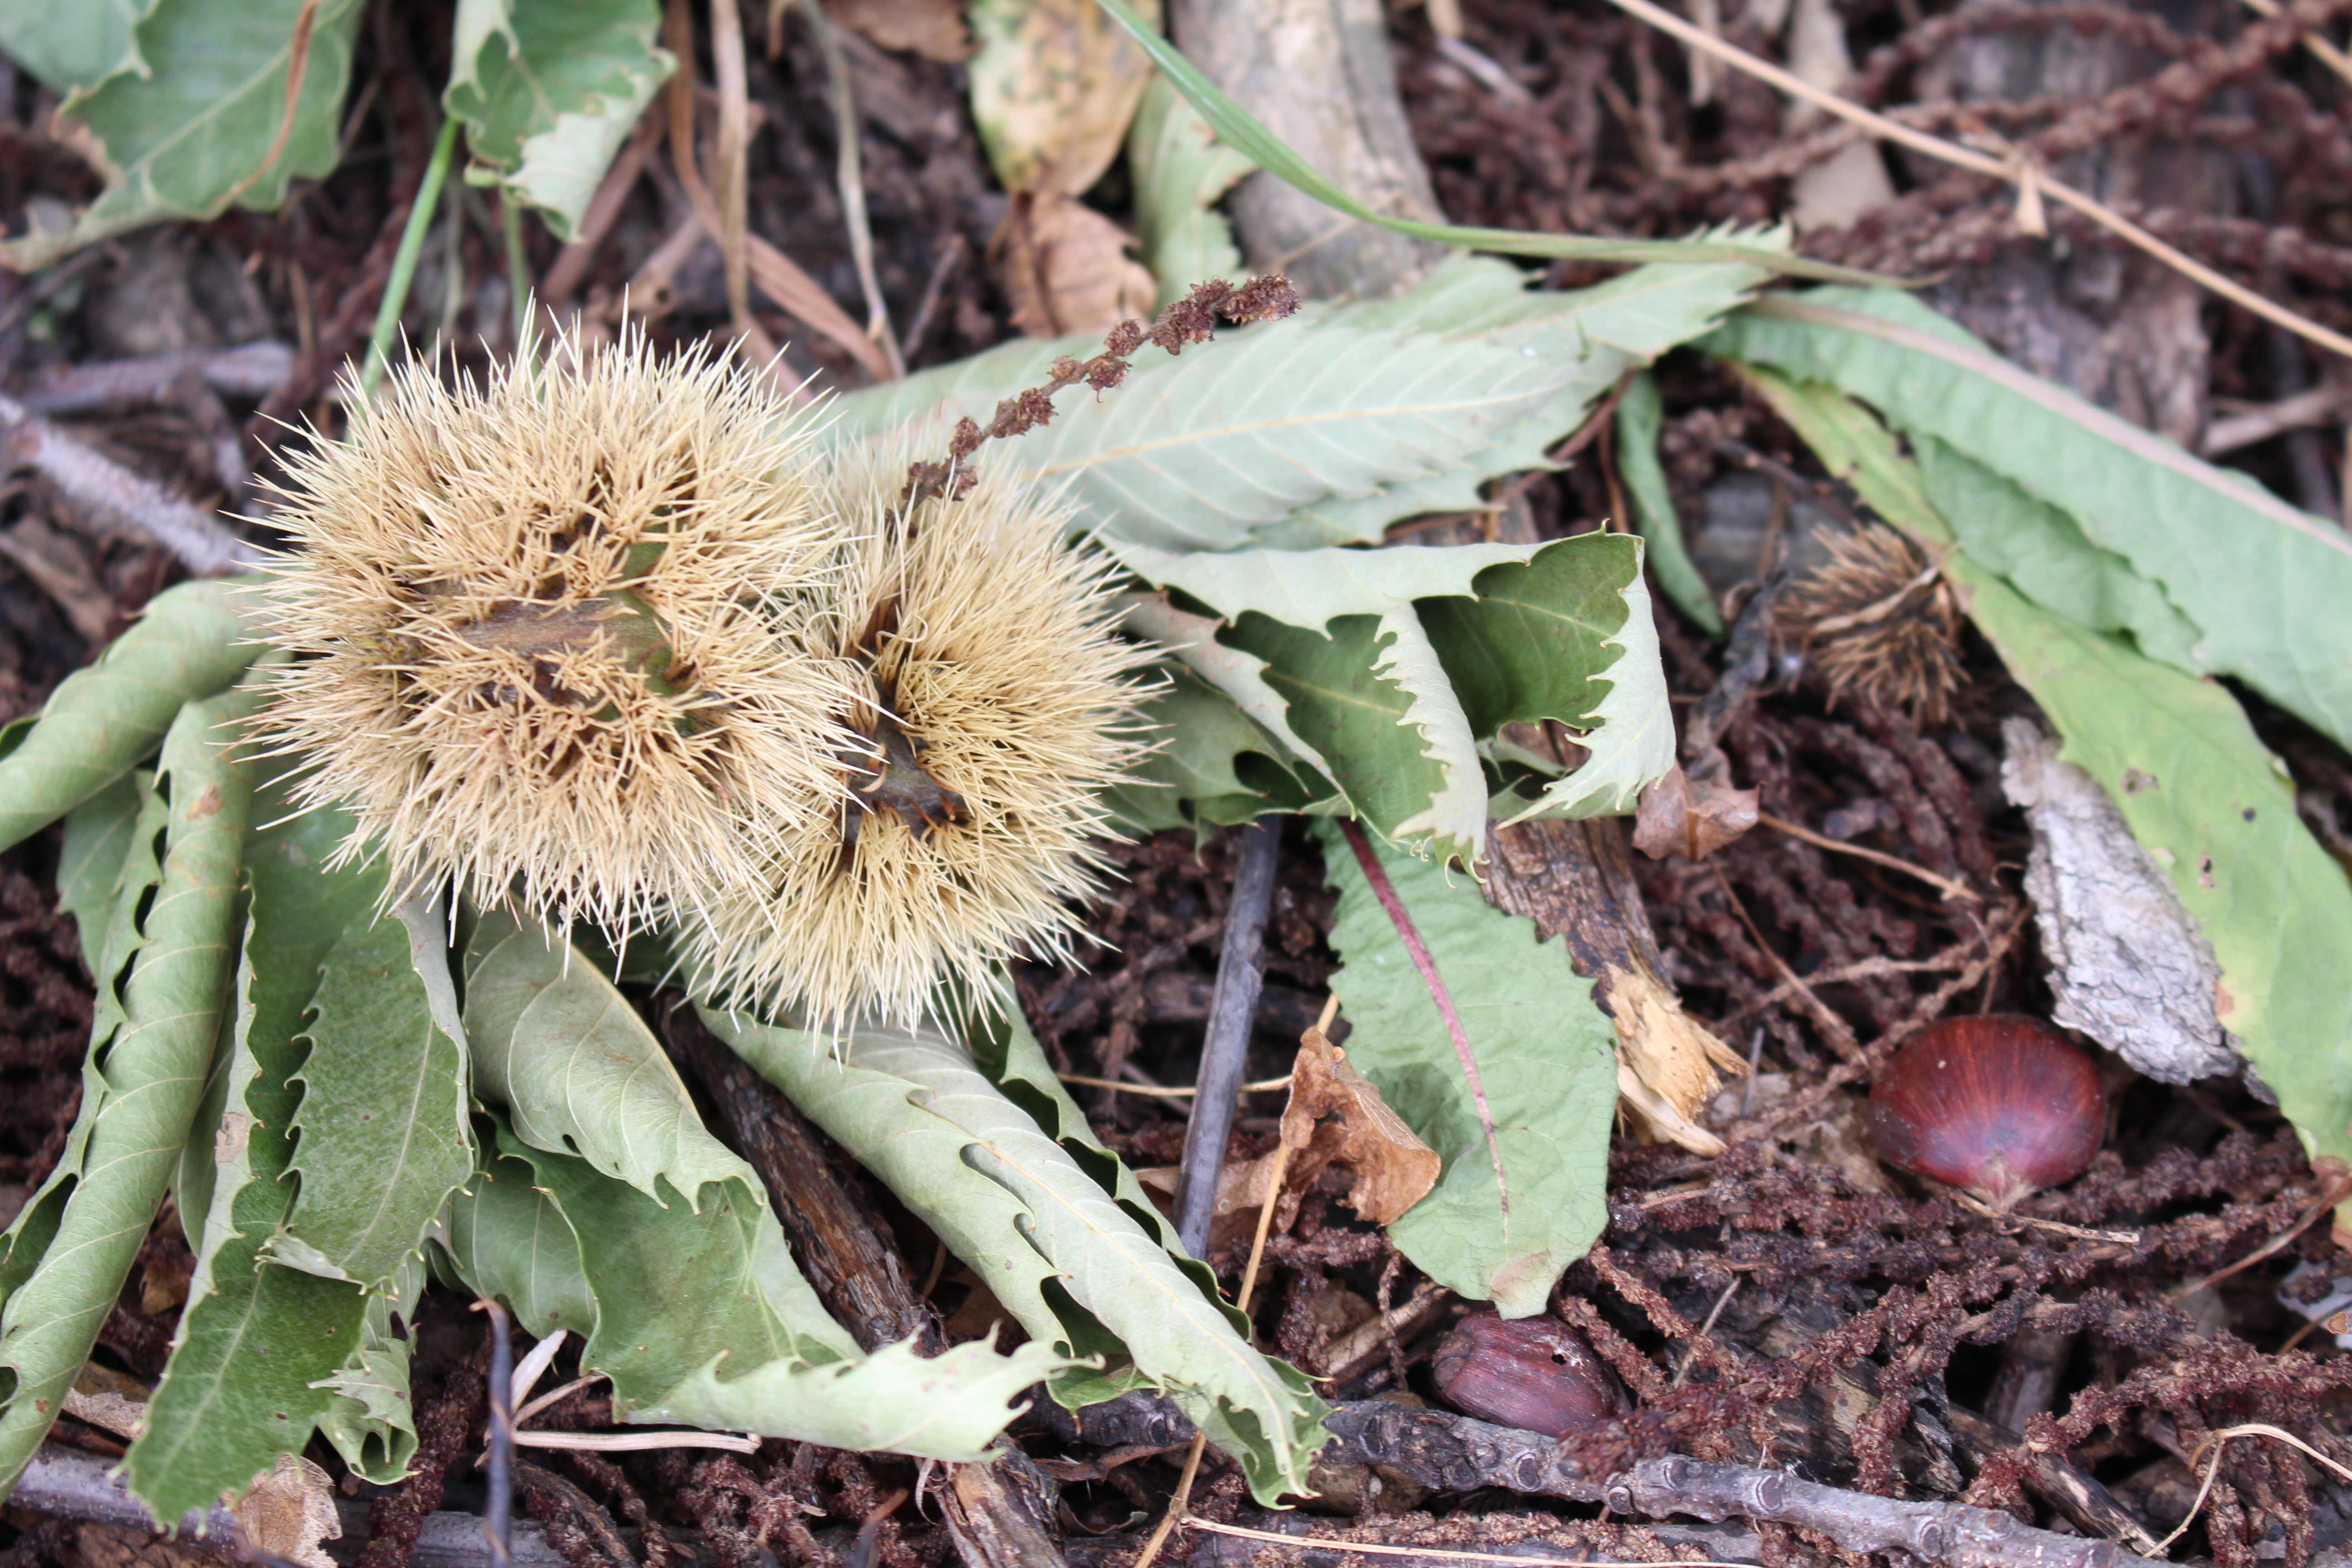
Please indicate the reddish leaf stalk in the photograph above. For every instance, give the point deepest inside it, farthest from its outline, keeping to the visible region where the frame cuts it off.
(1385, 891)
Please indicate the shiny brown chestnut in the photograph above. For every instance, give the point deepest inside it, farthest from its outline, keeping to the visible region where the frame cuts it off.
(1534, 1373)
(2000, 1106)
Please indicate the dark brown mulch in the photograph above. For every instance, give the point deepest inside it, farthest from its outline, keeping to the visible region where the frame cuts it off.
(1821, 1274)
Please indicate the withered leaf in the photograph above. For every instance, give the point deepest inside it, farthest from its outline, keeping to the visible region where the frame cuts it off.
(932, 29)
(288, 1512)
(1335, 1116)
(1692, 815)
(1065, 268)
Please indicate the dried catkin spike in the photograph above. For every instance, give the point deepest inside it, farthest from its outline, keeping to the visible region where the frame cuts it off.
(549, 634)
(992, 705)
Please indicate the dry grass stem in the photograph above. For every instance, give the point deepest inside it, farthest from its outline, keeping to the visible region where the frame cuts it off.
(1945, 885)
(2015, 169)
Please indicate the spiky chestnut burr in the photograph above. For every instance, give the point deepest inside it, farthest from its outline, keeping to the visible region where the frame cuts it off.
(1880, 622)
(2000, 1106)
(547, 633)
(992, 706)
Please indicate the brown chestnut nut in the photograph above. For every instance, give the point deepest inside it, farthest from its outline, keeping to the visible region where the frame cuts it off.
(2000, 1106)
(1534, 1373)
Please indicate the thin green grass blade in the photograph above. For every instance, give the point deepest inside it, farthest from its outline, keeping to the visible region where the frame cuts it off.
(1248, 135)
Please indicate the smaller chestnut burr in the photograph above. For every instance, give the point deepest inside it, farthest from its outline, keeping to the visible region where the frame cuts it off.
(1534, 1373)
(2000, 1106)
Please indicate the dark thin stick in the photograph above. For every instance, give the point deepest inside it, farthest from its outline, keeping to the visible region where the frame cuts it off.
(950, 253)
(497, 1524)
(1419, 952)
(1232, 1007)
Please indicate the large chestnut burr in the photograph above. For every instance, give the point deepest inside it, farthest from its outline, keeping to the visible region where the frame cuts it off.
(2000, 1106)
(1534, 1373)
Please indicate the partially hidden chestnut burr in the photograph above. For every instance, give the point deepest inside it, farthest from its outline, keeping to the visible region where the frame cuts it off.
(2000, 1106)
(1534, 1373)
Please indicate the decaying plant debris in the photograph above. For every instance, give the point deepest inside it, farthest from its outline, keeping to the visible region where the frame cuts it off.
(1823, 1360)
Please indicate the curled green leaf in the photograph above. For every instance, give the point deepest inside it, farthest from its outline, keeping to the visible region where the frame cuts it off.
(192, 644)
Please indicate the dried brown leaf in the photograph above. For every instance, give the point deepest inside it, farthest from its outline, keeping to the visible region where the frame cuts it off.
(932, 29)
(1692, 816)
(1334, 1117)
(1066, 268)
(288, 1512)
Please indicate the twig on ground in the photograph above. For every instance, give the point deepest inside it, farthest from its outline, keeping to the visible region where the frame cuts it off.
(638, 1442)
(2327, 54)
(721, 217)
(556, 1395)
(120, 501)
(1950, 1533)
(779, 277)
(950, 252)
(1255, 868)
(2337, 1190)
(498, 1522)
(1170, 1091)
(734, 150)
(2220, 1440)
(1224, 1045)
(1379, 1549)
(2243, 425)
(1833, 1028)
(1354, 1353)
(2071, 1491)
(249, 370)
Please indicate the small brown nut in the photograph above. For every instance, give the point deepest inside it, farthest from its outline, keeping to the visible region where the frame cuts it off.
(2000, 1106)
(1534, 1373)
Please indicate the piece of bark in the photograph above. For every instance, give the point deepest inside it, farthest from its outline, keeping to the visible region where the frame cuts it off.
(1136, 1419)
(1575, 881)
(1001, 1514)
(840, 1246)
(1820, 1423)
(2025, 1384)
(2122, 329)
(1319, 73)
(2127, 964)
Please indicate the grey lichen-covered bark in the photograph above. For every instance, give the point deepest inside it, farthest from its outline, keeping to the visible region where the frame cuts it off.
(1319, 73)
(2127, 964)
